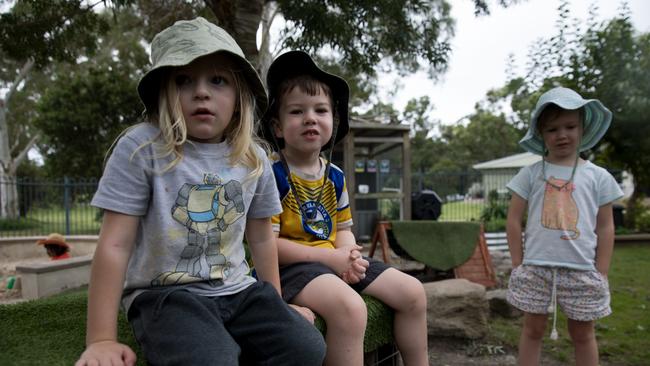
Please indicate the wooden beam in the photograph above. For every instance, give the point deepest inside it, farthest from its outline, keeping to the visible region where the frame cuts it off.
(406, 176)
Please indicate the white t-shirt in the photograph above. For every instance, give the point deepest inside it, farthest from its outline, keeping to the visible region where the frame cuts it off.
(561, 224)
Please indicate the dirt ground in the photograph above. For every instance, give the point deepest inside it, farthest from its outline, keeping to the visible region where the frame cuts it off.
(460, 352)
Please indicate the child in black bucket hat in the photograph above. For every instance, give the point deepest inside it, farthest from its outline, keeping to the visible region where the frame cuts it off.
(321, 267)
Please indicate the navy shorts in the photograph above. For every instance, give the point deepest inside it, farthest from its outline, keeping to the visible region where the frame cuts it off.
(295, 277)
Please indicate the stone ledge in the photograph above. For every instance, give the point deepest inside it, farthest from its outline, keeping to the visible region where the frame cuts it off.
(48, 278)
(51, 266)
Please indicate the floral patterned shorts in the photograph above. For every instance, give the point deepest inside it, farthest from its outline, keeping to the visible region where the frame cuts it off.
(582, 295)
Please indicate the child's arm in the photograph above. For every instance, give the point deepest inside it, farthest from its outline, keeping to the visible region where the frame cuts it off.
(339, 259)
(264, 250)
(116, 241)
(513, 228)
(605, 232)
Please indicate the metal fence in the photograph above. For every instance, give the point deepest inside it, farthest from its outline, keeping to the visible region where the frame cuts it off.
(40, 207)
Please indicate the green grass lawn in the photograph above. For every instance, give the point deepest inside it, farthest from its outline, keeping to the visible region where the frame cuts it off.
(461, 211)
(624, 336)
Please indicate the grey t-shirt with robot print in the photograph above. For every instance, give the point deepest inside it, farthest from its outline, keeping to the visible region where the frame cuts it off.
(192, 217)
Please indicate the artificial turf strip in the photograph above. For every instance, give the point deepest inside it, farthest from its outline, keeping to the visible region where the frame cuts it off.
(439, 245)
(49, 331)
(52, 331)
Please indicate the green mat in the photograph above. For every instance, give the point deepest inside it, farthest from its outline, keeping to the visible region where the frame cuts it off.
(439, 245)
(52, 331)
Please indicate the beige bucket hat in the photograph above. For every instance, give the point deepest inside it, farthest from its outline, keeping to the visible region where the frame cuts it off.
(184, 42)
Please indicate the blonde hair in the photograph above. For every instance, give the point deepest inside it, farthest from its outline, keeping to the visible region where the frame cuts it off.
(240, 133)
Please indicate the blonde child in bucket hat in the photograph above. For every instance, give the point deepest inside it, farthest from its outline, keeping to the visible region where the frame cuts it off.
(321, 267)
(569, 227)
(179, 192)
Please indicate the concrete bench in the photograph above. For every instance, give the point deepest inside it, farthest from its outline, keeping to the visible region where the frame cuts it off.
(49, 278)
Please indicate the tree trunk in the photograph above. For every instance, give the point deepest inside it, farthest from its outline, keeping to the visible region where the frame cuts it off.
(241, 18)
(635, 204)
(265, 56)
(8, 165)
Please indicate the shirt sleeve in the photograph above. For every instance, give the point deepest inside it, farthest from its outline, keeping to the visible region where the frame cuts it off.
(125, 185)
(344, 214)
(609, 190)
(521, 183)
(266, 201)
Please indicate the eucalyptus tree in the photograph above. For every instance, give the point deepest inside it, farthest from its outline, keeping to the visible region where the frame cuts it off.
(34, 35)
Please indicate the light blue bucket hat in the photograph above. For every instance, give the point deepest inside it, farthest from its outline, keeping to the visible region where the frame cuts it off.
(184, 42)
(597, 119)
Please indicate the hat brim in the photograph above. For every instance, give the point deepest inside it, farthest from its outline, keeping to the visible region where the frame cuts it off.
(53, 241)
(597, 119)
(150, 84)
(296, 63)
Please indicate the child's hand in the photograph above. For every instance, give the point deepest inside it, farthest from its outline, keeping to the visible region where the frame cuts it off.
(109, 353)
(356, 272)
(342, 259)
(305, 312)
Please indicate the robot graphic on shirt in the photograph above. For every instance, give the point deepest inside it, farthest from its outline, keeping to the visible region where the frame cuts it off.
(206, 210)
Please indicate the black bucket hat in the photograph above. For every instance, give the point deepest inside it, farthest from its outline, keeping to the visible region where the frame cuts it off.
(296, 63)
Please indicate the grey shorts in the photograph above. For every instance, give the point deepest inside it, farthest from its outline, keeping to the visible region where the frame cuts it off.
(582, 295)
(295, 277)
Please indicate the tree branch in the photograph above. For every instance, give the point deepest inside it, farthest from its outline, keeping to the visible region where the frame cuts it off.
(27, 66)
(23, 154)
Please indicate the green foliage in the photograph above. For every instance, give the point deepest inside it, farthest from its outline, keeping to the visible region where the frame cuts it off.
(606, 61)
(642, 222)
(47, 31)
(19, 224)
(496, 208)
(85, 108)
(495, 225)
(365, 33)
(457, 147)
(82, 115)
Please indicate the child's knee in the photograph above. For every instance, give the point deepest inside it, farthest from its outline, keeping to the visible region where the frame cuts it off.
(409, 297)
(536, 333)
(415, 298)
(581, 332)
(534, 328)
(351, 312)
(309, 349)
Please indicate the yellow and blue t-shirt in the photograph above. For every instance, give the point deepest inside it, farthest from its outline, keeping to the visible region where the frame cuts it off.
(332, 212)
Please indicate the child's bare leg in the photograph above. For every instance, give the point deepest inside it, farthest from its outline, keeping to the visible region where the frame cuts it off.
(344, 313)
(584, 342)
(530, 342)
(406, 296)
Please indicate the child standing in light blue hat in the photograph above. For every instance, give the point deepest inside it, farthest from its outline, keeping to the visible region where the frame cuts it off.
(179, 192)
(569, 237)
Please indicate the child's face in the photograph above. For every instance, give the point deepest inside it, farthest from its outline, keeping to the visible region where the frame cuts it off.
(207, 94)
(305, 121)
(562, 135)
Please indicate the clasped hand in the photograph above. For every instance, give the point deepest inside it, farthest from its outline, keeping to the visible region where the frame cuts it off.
(355, 266)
